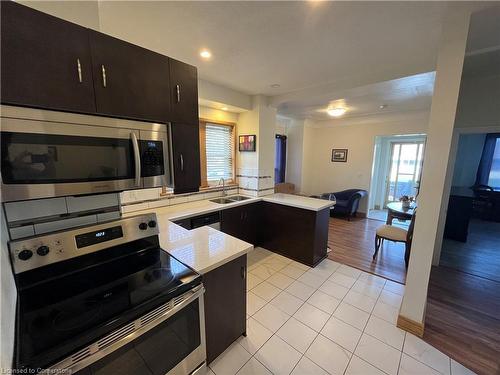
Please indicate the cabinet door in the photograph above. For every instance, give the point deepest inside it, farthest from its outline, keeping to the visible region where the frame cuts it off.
(225, 306)
(184, 81)
(232, 221)
(186, 157)
(241, 222)
(129, 81)
(45, 61)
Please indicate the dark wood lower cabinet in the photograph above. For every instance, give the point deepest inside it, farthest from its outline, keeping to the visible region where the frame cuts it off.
(458, 218)
(293, 232)
(242, 222)
(225, 305)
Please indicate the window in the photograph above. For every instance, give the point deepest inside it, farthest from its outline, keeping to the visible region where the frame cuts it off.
(494, 175)
(217, 152)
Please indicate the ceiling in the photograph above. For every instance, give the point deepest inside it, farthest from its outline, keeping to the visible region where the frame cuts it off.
(413, 93)
(294, 44)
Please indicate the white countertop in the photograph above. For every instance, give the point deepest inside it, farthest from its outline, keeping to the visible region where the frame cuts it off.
(205, 248)
(299, 201)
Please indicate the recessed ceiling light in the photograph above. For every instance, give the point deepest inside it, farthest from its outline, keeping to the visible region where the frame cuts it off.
(224, 108)
(383, 106)
(205, 54)
(336, 112)
(275, 85)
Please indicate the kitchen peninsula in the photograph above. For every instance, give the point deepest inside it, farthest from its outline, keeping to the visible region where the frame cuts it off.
(293, 226)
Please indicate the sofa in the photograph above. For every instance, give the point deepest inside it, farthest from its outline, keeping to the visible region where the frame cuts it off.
(347, 202)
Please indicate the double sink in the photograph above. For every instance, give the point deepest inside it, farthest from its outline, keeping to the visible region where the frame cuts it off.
(227, 200)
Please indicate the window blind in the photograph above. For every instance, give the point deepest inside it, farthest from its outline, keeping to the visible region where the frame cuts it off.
(219, 146)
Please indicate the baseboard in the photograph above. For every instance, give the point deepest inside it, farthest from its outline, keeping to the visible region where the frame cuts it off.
(411, 326)
(361, 214)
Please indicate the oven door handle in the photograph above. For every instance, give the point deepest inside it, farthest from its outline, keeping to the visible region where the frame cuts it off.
(137, 159)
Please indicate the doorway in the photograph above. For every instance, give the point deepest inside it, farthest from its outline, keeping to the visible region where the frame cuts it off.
(405, 166)
(396, 171)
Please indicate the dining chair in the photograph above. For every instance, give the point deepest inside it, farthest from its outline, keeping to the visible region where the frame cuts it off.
(395, 234)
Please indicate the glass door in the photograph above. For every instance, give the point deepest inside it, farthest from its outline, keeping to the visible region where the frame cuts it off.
(405, 168)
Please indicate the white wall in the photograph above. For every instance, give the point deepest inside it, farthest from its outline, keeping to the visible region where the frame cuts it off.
(479, 102)
(212, 114)
(470, 148)
(84, 13)
(321, 175)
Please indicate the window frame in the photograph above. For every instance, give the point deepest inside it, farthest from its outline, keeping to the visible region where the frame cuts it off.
(203, 150)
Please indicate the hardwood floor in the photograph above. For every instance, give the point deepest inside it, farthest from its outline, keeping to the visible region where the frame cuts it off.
(352, 243)
(463, 319)
(480, 255)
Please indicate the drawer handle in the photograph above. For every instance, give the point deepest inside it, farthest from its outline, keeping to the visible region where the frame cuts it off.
(182, 163)
(243, 273)
(178, 93)
(103, 70)
(79, 68)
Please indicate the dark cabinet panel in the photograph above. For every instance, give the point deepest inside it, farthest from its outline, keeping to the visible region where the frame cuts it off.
(129, 81)
(184, 83)
(296, 233)
(45, 61)
(186, 157)
(458, 218)
(225, 306)
(242, 222)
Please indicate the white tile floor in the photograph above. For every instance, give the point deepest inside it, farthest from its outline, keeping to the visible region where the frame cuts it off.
(332, 319)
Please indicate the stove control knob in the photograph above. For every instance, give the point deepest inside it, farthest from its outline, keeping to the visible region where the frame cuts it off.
(25, 254)
(152, 224)
(42, 250)
(143, 226)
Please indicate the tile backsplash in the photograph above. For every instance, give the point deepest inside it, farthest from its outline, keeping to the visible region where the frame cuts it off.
(29, 218)
(137, 200)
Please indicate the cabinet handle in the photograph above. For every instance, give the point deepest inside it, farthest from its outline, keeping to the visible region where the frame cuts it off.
(79, 68)
(243, 272)
(103, 70)
(182, 163)
(178, 93)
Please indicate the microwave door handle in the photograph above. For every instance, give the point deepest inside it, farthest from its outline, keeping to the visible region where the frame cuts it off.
(137, 159)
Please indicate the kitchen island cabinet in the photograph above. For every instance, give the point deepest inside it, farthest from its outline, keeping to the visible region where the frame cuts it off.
(297, 233)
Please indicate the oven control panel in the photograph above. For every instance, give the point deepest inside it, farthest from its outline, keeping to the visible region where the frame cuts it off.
(39, 251)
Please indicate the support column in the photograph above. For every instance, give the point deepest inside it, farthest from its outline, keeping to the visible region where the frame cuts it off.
(439, 138)
(256, 169)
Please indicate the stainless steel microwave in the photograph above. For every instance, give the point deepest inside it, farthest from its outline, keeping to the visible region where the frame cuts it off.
(51, 154)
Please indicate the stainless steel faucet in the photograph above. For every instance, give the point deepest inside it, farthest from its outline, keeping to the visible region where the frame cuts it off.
(223, 187)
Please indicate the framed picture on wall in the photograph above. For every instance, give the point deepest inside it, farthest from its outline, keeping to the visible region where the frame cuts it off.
(247, 143)
(339, 155)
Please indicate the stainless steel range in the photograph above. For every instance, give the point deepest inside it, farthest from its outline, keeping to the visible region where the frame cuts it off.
(106, 299)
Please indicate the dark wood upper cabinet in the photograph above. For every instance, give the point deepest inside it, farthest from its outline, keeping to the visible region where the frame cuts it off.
(184, 83)
(186, 157)
(45, 61)
(129, 81)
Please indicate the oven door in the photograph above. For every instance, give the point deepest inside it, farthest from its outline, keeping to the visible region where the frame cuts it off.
(168, 340)
(43, 159)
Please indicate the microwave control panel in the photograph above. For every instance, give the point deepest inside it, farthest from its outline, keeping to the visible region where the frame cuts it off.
(152, 160)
